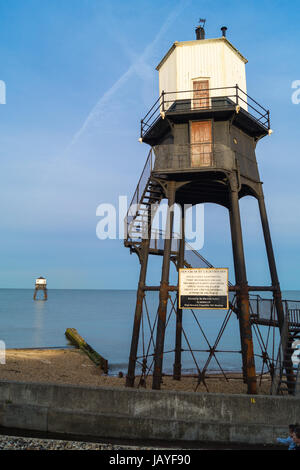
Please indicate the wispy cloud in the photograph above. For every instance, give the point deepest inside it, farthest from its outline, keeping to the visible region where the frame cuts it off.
(139, 67)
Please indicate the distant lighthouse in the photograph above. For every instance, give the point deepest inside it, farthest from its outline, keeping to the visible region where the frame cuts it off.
(40, 284)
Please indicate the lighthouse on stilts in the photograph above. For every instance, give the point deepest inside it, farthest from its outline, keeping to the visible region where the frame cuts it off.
(40, 284)
(203, 131)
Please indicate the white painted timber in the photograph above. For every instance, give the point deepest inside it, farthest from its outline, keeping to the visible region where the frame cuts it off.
(215, 60)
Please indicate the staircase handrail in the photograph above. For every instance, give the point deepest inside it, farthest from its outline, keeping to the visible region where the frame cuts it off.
(278, 369)
(148, 161)
(137, 196)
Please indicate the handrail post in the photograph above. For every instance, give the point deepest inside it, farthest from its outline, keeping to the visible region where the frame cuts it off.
(163, 100)
(269, 120)
(237, 94)
(141, 128)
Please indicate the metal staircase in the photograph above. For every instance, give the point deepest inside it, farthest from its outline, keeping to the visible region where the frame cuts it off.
(143, 207)
(145, 201)
(286, 378)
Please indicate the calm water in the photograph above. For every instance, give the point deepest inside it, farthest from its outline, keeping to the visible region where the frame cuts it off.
(104, 318)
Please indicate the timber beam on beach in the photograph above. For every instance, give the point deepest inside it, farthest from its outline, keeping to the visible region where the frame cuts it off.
(79, 342)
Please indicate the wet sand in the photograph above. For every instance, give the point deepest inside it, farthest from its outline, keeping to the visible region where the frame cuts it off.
(72, 366)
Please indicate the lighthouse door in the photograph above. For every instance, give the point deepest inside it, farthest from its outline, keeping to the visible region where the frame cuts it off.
(200, 94)
(201, 144)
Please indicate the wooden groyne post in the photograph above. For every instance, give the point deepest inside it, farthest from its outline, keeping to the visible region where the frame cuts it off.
(73, 336)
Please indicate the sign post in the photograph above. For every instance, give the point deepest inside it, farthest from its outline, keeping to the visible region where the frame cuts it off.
(203, 288)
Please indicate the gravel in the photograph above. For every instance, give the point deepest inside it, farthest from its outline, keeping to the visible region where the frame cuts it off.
(29, 443)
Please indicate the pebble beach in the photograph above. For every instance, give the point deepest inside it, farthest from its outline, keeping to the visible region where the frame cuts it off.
(29, 443)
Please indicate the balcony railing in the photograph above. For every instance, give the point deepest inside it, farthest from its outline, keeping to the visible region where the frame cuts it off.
(183, 156)
(206, 99)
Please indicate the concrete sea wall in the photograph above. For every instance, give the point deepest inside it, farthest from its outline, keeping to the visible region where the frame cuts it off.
(146, 414)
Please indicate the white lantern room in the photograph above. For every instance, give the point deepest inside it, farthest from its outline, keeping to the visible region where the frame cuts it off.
(202, 67)
(41, 281)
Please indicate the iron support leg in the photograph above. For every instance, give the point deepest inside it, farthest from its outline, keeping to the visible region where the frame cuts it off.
(275, 283)
(44, 289)
(164, 292)
(242, 295)
(271, 261)
(138, 314)
(178, 339)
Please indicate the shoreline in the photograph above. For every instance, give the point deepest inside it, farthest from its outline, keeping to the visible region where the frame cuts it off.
(115, 374)
(72, 366)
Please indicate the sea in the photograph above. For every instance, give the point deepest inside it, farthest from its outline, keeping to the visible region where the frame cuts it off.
(104, 318)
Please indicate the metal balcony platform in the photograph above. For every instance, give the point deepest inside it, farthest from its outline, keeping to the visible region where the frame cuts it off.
(221, 104)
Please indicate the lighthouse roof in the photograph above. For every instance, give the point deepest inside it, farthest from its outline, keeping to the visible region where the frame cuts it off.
(199, 42)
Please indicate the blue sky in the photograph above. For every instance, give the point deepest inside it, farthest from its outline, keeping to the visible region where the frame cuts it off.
(80, 74)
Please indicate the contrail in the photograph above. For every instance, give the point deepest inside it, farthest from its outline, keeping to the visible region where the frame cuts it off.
(132, 69)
